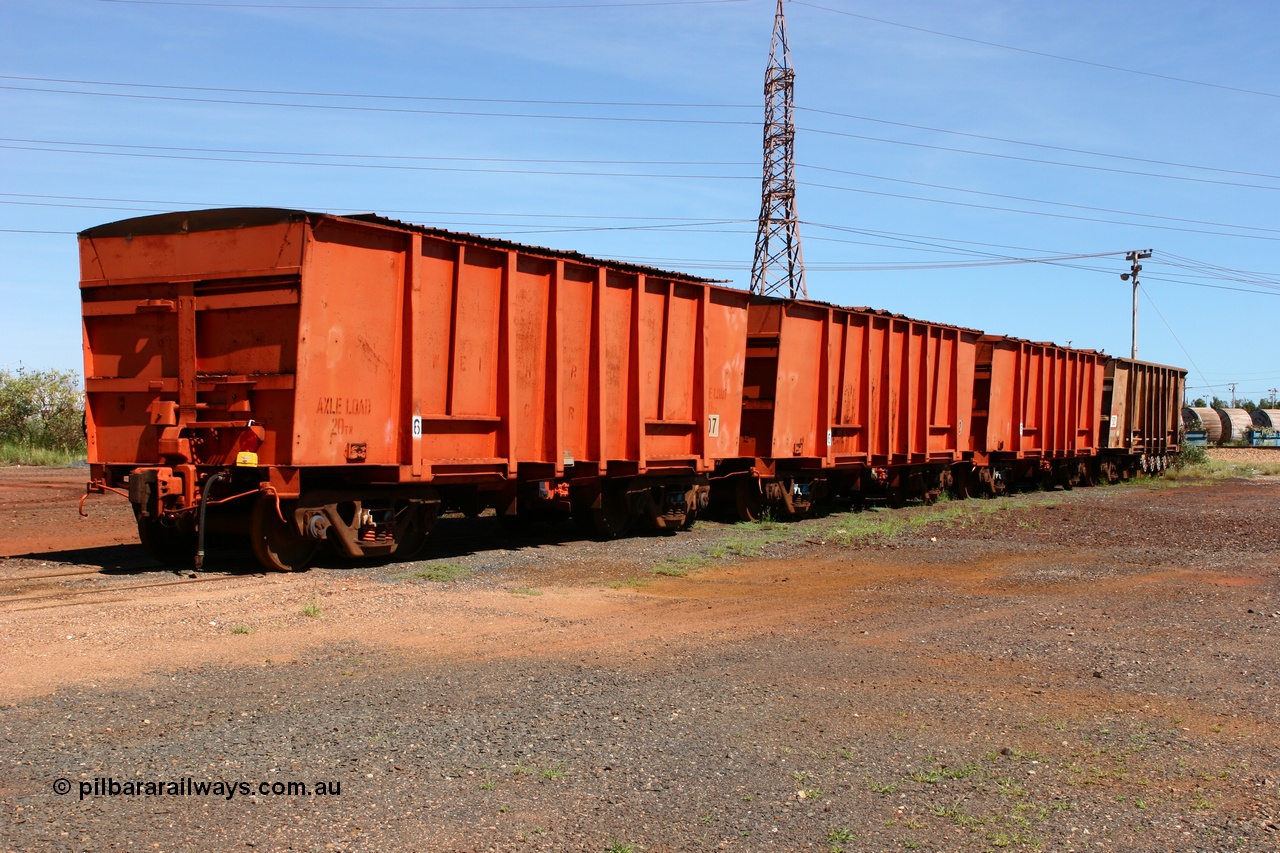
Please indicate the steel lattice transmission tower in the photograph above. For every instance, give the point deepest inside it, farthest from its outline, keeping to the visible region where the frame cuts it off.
(778, 267)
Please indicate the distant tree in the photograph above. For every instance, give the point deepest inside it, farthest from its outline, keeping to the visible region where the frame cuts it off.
(42, 408)
(1219, 403)
(1199, 403)
(1248, 406)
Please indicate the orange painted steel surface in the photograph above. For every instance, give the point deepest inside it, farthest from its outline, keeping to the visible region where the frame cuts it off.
(831, 387)
(1042, 401)
(358, 343)
(1142, 407)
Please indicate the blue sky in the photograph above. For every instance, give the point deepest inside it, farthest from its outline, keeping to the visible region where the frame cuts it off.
(931, 136)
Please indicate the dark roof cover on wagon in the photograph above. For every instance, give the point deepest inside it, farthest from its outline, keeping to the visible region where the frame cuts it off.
(229, 218)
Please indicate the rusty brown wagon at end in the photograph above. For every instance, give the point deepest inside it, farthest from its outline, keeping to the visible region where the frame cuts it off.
(1142, 426)
(305, 377)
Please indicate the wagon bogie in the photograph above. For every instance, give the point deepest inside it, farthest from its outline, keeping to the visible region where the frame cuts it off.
(756, 497)
(610, 509)
(358, 524)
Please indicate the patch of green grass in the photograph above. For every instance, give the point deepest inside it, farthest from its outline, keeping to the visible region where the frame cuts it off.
(524, 590)
(929, 777)
(242, 629)
(311, 610)
(886, 788)
(629, 583)
(960, 772)
(755, 539)
(1220, 469)
(555, 771)
(1010, 788)
(679, 567)
(616, 846)
(442, 573)
(20, 453)
(870, 524)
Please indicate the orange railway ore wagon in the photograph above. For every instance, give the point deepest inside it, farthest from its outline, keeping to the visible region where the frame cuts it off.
(308, 377)
(1037, 410)
(1141, 417)
(848, 401)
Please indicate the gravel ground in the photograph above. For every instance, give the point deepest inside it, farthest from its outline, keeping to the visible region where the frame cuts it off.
(1082, 670)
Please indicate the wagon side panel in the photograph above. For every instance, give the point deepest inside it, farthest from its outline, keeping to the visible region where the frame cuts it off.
(348, 387)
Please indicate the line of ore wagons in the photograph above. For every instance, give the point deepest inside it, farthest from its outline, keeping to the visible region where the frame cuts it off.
(306, 377)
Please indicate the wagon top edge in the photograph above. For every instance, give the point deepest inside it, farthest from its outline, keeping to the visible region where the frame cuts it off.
(877, 312)
(1012, 339)
(231, 218)
(1155, 364)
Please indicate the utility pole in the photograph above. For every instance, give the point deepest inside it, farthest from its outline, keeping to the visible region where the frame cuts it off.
(778, 267)
(1273, 397)
(1135, 268)
(1232, 386)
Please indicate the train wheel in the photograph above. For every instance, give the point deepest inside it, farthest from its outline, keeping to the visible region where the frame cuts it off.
(413, 536)
(749, 501)
(278, 546)
(167, 544)
(691, 504)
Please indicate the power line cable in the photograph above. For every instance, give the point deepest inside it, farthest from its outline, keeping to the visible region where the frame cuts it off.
(1043, 54)
(1036, 200)
(1037, 160)
(1046, 146)
(375, 96)
(1185, 352)
(629, 104)
(368, 109)
(1033, 212)
(645, 120)
(421, 8)
(269, 153)
(917, 242)
(378, 166)
(657, 175)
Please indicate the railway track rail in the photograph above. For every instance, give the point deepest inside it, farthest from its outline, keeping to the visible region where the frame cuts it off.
(70, 596)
